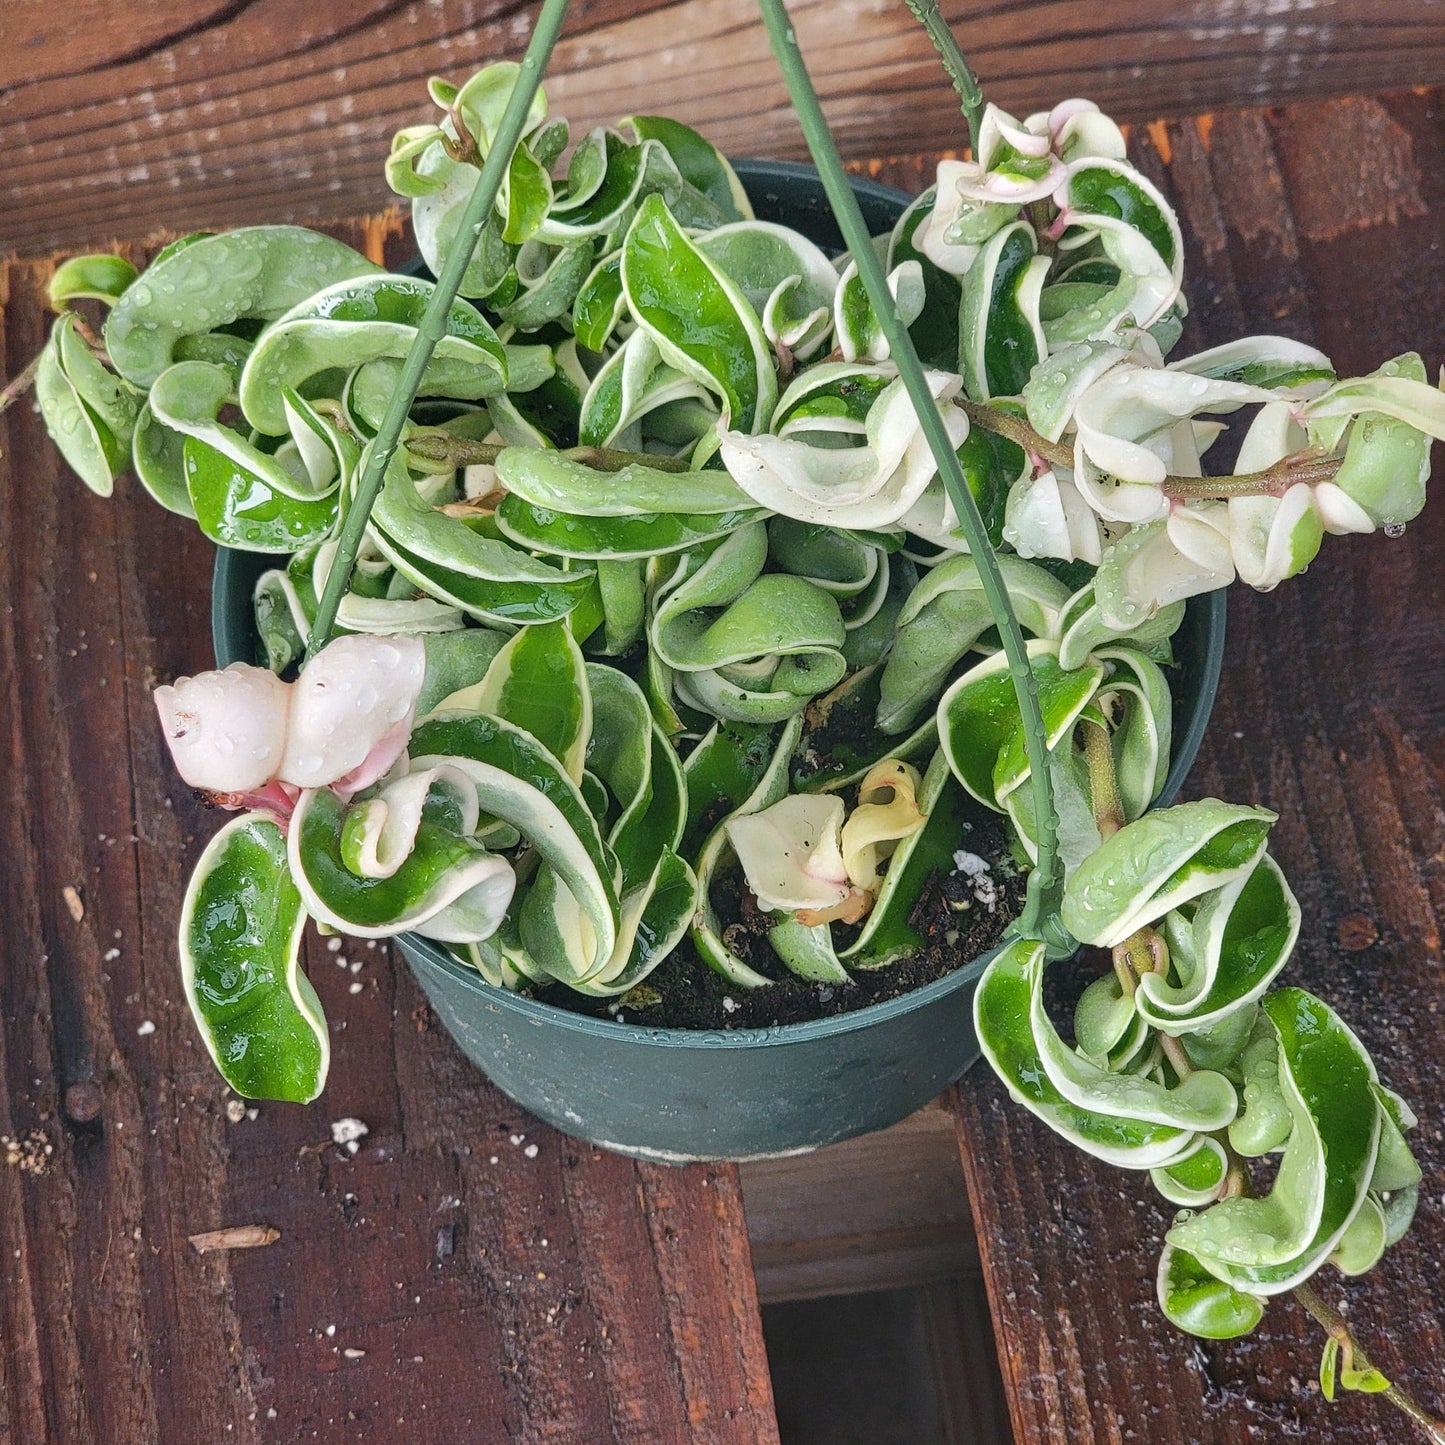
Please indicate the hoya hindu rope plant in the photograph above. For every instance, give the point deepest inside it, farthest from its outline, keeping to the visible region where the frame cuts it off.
(693, 590)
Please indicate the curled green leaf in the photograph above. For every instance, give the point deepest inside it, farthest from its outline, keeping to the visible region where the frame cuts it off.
(699, 319)
(1241, 937)
(1002, 1009)
(254, 274)
(1201, 1305)
(699, 162)
(445, 885)
(486, 577)
(745, 644)
(537, 682)
(1000, 336)
(1268, 1245)
(980, 728)
(361, 320)
(101, 278)
(240, 940)
(88, 411)
(944, 616)
(1158, 863)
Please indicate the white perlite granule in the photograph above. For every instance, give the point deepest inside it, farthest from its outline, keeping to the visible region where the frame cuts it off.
(976, 869)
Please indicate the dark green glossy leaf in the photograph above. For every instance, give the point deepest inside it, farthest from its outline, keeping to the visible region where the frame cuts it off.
(92, 278)
(699, 162)
(240, 938)
(257, 272)
(237, 508)
(1201, 1305)
(699, 318)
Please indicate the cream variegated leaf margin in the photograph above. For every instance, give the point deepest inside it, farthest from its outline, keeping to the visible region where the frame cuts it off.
(1159, 863)
(240, 941)
(867, 487)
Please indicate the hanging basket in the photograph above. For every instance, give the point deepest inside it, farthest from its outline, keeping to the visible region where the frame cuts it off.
(682, 1094)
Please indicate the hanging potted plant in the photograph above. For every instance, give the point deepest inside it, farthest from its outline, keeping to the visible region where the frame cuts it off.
(735, 675)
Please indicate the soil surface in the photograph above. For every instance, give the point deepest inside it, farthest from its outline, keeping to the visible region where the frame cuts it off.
(684, 993)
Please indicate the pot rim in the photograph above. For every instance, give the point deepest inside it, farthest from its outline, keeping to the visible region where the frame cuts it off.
(539, 1014)
(549, 1015)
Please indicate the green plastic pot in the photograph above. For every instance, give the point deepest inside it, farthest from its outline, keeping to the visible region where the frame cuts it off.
(678, 1095)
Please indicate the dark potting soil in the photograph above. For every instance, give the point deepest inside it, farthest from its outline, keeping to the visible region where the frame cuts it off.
(684, 993)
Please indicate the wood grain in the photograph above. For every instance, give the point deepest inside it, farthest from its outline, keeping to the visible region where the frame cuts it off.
(876, 1213)
(1320, 222)
(119, 119)
(467, 1275)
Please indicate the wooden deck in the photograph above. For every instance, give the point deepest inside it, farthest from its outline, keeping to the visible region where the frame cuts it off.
(469, 1275)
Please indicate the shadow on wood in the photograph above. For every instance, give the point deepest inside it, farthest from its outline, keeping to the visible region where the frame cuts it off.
(898, 1367)
(875, 1213)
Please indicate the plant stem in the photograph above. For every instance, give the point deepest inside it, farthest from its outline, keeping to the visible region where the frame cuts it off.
(1174, 1051)
(1103, 780)
(1040, 916)
(960, 72)
(434, 321)
(1144, 951)
(1015, 429)
(18, 385)
(464, 452)
(1334, 1324)
(1274, 481)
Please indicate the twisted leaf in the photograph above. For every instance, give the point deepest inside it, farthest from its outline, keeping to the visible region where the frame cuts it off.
(1241, 937)
(1000, 337)
(944, 616)
(257, 273)
(980, 729)
(1002, 1010)
(1265, 1246)
(240, 940)
(746, 645)
(699, 319)
(346, 325)
(487, 578)
(1158, 863)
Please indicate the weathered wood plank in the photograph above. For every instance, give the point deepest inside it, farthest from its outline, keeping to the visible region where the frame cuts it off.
(117, 120)
(1321, 222)
(467, 1275)
(875, 1213)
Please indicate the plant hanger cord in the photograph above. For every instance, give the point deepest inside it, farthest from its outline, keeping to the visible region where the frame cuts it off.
(960, 72)
(433, 324)
(1040, 916)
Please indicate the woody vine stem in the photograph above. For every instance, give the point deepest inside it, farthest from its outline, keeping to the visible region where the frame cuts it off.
(1274, 481)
